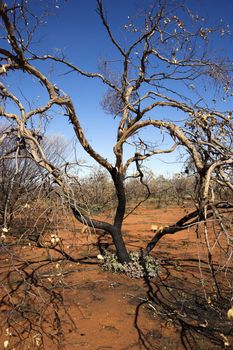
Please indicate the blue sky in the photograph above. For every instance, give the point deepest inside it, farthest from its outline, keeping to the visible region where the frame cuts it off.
(75, 27)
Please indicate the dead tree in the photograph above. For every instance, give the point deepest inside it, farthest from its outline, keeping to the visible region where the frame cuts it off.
(166, 57)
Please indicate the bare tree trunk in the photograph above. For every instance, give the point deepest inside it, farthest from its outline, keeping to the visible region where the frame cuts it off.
(115, 230)
(119, 243)
(122, 252)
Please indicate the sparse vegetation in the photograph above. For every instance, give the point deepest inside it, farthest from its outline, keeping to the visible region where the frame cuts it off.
(58, 213)
(138, 267)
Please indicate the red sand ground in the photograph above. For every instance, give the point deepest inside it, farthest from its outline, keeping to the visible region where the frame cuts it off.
(100, 310)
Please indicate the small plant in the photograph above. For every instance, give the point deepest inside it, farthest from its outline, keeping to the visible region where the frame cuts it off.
(136, 268)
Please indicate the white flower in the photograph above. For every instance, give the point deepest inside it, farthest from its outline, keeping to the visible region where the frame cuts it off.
(154, 228)
(5, 229)
(230, 313)
(8, 332)
(54, 239)
(6, 344)
(100, 257)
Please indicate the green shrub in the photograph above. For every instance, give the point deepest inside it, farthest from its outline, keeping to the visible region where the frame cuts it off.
(136, 268)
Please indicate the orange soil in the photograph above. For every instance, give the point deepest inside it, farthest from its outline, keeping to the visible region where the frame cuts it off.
(102, 310)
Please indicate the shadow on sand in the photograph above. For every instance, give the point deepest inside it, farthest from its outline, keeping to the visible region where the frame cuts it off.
(191, 314)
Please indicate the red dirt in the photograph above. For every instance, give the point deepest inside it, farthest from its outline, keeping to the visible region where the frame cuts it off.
(100, 310)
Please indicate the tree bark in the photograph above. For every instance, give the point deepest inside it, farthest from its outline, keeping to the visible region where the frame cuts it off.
(122, 252)
(184, 223)
(115, 233)
(119, 243)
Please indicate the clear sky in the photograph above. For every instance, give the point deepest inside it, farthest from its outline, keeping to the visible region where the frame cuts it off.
(75, 27)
